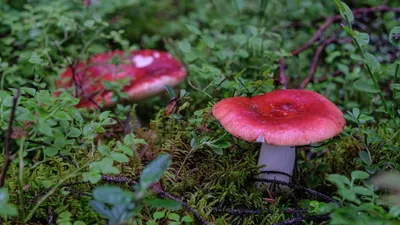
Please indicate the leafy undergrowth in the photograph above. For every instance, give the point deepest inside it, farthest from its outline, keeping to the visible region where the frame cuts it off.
(66, 164)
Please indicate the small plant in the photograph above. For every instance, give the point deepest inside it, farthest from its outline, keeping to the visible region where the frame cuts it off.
(173, 218)
(120, 206)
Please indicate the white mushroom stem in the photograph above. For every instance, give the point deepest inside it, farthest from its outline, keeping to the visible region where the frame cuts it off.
(277, 159)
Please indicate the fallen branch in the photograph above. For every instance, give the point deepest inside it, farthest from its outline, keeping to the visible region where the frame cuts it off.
(318, 34)
(243, 212)
(7, 143)
(301, 218)
(314, 63)
(297, 187)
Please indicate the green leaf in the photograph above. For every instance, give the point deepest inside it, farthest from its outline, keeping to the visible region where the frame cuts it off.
(356, 113)
(35, 59)
(359, 175)
(93, 177)
(61, 115)
(348, 195)
(8, 210)
(153, 171)
(78, 222)
(396, 87)
(119, 157)
(339, 4)
(44, 128)
(365, 157)
(187, 219)
(222, 144)
(43, 97)
(193, 29)
(104, 149)
(104, 115)
(238, 4)
(208, 41)
(163, 203)
(395, 211)
(394, 36)
(216, 149)
(170, 91)
(4, 196)
(345, 11)
(174, 217)
(184, 46)
(372, 62)
(112, 195)
(89, 24)
(59, 141)
(100, 208)
(73, 132)
(349, 31)
(50, 151)
(339, 180)
(365, 86)
(363, 191)
(362, 38)
(159, 215)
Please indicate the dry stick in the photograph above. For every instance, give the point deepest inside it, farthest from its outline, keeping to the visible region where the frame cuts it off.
(164, 194)
(297, 187)
(315, 61)
(317, 35)
(301, 218)
(243, 212)
(158, 191)
(51, 216)
(314, 64)
(334, 74)
(7, 143)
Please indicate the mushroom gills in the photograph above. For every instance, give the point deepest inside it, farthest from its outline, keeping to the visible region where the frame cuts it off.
(276, 159)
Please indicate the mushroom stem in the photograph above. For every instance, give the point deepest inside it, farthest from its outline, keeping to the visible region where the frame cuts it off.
(277, 159)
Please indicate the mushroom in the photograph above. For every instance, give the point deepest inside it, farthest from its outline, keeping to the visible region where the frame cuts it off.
(149, 71)
(280, 119)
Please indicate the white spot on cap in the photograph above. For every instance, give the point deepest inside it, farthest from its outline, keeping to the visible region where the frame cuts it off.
(142, 61)
(156, 55)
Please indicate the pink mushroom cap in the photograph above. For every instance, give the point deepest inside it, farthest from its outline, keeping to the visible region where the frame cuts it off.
(149, 71)
(282, 117)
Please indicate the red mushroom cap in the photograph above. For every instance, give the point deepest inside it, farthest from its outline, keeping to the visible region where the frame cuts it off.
(148, 70)
(282, 117)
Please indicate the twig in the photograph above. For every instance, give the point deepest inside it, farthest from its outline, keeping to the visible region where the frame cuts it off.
(297, 187)
(74, 191)
(118, 179)
(317, 35)
(7, 145)
(51, 216)
(164, 194)
(243, 212)
(301, 218)
(315, 61)
(338, 17)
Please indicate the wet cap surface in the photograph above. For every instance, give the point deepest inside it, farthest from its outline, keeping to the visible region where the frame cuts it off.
(282, 117)
(149, 71)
